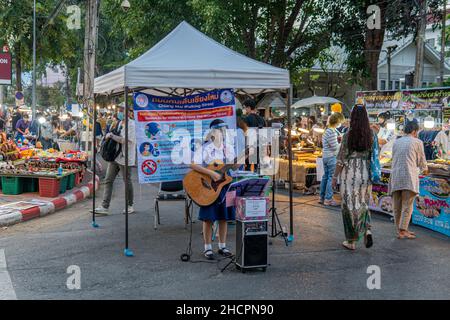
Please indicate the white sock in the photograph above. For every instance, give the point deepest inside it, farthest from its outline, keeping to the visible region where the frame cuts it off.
(222, 245)
(208, 247)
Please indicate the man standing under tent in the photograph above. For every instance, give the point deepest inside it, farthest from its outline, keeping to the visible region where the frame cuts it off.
(253, 119)
(118, 164)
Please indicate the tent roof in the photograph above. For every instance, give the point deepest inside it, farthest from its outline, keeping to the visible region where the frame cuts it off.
(313, 101)
(188, 59)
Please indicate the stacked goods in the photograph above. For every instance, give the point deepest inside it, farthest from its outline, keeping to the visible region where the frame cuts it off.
(299, 171)
(308, 157)
(9, 152)
(439, 167)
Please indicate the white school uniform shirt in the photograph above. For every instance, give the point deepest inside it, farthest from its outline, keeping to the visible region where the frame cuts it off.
(212, 153)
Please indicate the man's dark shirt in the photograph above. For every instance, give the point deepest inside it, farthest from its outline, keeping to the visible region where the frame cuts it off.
(255, 121)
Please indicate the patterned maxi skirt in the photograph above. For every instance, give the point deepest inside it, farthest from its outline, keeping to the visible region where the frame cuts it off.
(356, 188)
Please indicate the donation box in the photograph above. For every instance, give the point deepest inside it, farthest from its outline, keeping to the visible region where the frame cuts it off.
(252, 208)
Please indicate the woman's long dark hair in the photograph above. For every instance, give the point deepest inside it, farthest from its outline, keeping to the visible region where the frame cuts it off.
(360, 136)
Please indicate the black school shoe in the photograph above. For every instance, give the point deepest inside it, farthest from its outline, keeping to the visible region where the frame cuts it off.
(209, 254)
(224, 252)
(368, 240)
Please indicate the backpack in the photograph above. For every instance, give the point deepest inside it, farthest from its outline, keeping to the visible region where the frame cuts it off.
(111, 149)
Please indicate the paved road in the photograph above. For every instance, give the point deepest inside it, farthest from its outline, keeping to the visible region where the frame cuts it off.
(315, 266)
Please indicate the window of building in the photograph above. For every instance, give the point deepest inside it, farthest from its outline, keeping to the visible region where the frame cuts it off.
(382, 84)
(431, 42)
(424, 84)
(402, 84)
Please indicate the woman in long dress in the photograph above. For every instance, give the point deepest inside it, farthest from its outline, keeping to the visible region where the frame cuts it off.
(353, 168)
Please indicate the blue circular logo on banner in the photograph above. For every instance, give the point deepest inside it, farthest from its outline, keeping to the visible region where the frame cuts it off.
(141, 100)
(226, 96)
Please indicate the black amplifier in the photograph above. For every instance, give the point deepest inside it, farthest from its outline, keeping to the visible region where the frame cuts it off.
(251, 245)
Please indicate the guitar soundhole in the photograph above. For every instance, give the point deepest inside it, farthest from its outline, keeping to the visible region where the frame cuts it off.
(206, 184)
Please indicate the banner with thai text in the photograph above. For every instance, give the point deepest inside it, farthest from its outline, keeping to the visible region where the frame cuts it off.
(170, 130)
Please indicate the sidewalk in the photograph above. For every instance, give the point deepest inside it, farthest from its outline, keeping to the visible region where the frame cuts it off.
(26, 206)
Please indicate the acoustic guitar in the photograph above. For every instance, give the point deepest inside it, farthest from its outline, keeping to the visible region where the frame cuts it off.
(202, 189)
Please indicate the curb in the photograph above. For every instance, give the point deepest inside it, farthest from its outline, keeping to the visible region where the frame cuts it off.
(77, 195)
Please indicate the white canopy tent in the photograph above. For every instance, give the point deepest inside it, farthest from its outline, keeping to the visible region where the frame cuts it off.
(314, 100)
(188, 59)
(186, 62)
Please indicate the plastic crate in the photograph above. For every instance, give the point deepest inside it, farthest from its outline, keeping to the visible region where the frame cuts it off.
(63, 184)
(11, 185)
(48, 187)
(30, 184)
(71, 181)
(78, 178)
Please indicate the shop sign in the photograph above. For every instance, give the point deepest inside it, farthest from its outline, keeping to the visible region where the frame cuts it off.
(5, 69)
(419, 99)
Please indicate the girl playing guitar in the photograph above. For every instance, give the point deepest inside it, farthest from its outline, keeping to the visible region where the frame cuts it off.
(216, 149)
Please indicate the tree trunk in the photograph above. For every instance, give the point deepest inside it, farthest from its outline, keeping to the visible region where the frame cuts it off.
(372, 49)
(18, 64)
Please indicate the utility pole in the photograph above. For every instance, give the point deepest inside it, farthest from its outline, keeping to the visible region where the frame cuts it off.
(390, 49)
(443, 42)
(33, 93)
(90, 44)
(420, 44)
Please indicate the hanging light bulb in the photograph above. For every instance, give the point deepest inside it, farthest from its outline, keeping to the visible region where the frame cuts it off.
(428, 122)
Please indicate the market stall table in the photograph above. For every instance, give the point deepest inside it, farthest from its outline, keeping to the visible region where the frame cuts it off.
(431, 207)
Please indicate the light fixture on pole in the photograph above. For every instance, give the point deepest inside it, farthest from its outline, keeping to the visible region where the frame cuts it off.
(428, 122)
(125, 5)
(33, 93)
(390, 125)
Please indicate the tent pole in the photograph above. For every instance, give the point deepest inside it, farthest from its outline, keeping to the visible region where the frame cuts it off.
(291, 209)
(94, 159)
(127, 251)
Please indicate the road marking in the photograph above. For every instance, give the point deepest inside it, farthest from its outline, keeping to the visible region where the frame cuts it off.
(6, 287)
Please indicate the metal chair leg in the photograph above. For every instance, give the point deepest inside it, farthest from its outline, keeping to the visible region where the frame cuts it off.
(156, 221)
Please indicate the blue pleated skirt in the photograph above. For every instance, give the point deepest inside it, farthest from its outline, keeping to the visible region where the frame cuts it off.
(218, 210)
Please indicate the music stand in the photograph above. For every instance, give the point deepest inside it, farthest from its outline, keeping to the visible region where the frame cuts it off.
(249, 187)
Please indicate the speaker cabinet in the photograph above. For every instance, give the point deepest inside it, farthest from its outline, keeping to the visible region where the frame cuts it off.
(251, 244)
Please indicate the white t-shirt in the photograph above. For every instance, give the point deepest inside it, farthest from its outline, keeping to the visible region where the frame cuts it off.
(385, 134)
(131, 144)
(442, 141)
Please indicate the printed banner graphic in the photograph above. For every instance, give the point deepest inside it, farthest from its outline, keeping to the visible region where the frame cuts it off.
(415, 99)
(170, 129)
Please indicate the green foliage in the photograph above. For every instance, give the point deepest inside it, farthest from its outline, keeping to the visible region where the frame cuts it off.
(349, 24)
(287, 33)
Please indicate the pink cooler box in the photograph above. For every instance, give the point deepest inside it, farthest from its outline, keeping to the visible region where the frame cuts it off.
(252, 208)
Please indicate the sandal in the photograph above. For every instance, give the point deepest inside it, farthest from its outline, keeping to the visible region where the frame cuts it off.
(225, 252)
(368, 239)
(209, 254)
(406, 236)
(348, 245)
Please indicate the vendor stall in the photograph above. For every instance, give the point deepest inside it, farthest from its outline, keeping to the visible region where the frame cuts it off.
(29, 169)
(431, 207)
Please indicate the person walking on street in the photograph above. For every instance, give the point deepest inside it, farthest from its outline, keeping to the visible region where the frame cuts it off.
(330, 149)
(353, 169)
(119, 163)
(408, 157)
